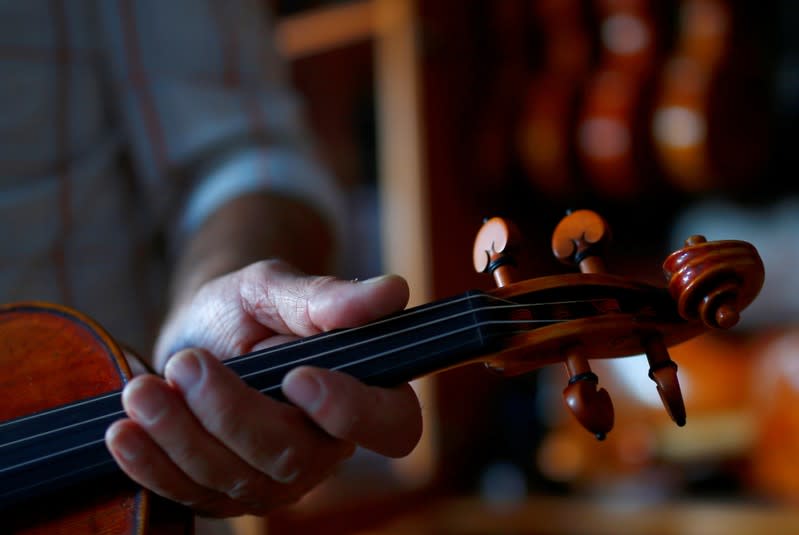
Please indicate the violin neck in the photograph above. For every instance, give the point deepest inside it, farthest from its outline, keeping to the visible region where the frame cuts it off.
(62, 447)
(396, 349)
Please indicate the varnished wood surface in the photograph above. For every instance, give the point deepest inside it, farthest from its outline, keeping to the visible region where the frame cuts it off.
(50, 356)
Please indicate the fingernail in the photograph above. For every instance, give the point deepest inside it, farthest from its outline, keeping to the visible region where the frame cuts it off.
(145, 404)
(185, 370)
(285, 468)
(303, 390)
(379, 278)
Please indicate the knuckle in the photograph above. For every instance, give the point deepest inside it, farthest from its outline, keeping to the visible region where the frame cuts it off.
(223, 419)
(286, 467)
(269, 265)
(208, 503)
(254, 495)
(316, 283)
(345, 416)
(188, 455)
(247, 490)
(278, 457)
(343, 424)
(219, 405)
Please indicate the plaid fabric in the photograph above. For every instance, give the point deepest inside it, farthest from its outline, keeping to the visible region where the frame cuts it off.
(121, 117)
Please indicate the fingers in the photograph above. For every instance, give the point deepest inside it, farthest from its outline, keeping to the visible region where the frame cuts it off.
(284, 446)
(340, 304)
(387, 421)
(203, 439)
(147, 464)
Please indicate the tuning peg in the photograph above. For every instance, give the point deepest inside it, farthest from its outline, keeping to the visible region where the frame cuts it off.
(580, 239)
(493, 252)
(592, 407)
(494, 247)
(663, 371)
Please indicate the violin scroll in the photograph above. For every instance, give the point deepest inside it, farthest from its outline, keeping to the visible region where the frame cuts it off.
(714, 281)
(576, 317)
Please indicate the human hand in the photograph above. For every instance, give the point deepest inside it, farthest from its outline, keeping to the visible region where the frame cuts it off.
(201, 437)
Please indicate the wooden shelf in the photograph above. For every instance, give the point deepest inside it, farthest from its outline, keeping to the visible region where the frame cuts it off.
(390, 25)
(560, 516)
(328, 28)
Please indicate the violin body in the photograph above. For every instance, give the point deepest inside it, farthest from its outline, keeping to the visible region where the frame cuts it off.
(52, 356)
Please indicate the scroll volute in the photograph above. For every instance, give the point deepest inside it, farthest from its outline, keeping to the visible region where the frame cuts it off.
(714, 281)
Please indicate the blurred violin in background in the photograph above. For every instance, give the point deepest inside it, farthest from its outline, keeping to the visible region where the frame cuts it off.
(710, 121)
(611, 131)
(546, 126)
(635, 96)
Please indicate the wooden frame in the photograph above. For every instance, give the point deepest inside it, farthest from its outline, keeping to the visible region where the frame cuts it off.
(391, 25)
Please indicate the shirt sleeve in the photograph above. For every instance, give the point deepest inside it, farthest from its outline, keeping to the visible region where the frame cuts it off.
(206, 107)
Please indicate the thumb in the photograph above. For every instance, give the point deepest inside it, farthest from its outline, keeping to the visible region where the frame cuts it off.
(230, 315)
(291, 303)
(342, 304)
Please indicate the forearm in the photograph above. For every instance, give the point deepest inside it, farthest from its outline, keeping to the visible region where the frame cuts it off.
(247, 229)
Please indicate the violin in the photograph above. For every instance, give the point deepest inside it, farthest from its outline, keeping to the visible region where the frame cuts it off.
(545, 132)
(711, 102)
(62, 374)
(611, 128)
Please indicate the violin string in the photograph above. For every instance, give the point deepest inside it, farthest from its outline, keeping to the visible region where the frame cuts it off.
(406, 314)
(50, 455)
(50, 479)
(427, 340)
(256, 354)
(270, 353)
(69, 406)
(299, 361)
(333, 334)
(353, 363)
(317, 355)
(66, 427)
(275, 350)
